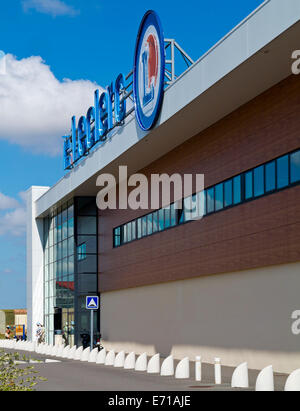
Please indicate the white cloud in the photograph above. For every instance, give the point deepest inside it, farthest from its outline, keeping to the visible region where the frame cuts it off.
(52, 7)
(36, 108)
(13, 220)
(7, 202)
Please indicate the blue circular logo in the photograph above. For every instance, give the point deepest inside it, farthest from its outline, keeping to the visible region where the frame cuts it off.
(149, 71)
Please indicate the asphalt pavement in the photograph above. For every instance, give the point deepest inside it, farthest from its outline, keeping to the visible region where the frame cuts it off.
(71, 375)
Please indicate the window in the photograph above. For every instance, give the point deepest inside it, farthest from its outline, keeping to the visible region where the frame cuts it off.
(228, 191)
(210, 200)
(249, 185)
(149, 223)
(264, 179)
(259, 181)
(237, 190)
(295, 167)
(270, 176)
(167, 217)
(219, 197)
(161, 219)
(144, 226)
(117, 237)
(139, 228)
(81, 255)
(282, 172)
(155, 222)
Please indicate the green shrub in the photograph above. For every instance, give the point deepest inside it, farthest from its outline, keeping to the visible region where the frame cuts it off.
(16, 378)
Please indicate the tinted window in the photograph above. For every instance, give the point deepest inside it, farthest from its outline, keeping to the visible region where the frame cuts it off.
(249, 185)
(259, 181)
(237, 190)
(161, 220)
(155, 222)
(295, 167)
(210, 193)
(219, 197)
(149, 221)
(228, 193)
(167, 217)
(270, 177)
(282, 172)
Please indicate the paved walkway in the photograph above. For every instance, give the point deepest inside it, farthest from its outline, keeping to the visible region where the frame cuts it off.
(70, 375)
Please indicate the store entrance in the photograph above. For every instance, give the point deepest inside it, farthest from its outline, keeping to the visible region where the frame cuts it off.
(64, 326)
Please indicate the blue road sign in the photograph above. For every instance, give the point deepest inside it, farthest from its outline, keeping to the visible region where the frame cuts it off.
(92, 303)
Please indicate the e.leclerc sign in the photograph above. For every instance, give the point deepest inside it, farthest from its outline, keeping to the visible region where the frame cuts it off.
(109, 108)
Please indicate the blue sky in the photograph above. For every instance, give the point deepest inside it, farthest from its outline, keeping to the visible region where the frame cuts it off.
(88, 42)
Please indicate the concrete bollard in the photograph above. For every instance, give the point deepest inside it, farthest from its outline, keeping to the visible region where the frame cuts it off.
(154, 365)
(141, 363)
(167, 367)
(85, 354)
(54, 351)
(110, 358)
(240, 378)
(293, 382)
(66, 352)
(93, 355)
(60, 351)
(78, 353)
(101, 356)
(71, 353)
(120, 360)
(129, 363)
(265, 380)
(218, 371)
(183, 369)
(198, 369)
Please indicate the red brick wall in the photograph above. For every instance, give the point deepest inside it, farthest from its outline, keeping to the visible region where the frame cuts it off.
(260, 233)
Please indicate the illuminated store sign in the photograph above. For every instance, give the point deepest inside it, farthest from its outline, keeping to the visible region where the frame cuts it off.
(109, 108)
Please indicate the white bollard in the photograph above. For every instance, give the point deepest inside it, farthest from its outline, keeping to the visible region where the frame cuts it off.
(198, 369)
(71, 353)
(218, 371)
(66, 352)
(78, 353)
(129, 363)
(93, 355)
(154, 365)
(60, 351)
(85, 354)
(240, 378)
(167, 367)
(48, 349)
(120, 360)
(54, 351)
(31, 347)
(293, 382)
(183, 369)
(141, 363)
(265, 380)
(101, 356)
(110, 358)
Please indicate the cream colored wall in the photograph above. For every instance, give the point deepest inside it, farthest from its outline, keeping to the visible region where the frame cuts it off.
(243, 316)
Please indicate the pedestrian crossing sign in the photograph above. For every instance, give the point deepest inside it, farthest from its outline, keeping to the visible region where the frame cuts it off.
(92, 303)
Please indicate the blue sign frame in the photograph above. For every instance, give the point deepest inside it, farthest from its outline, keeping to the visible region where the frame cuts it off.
(88, 301)
(146, 123)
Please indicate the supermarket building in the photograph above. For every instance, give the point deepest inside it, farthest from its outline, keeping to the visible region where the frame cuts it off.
(225, 285)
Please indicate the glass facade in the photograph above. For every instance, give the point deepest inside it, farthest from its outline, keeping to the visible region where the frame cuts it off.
(268, 178)
(70, 269)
